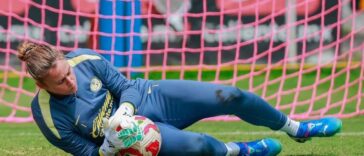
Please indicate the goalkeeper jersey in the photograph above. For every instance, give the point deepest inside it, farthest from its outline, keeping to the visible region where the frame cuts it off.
(73, 123)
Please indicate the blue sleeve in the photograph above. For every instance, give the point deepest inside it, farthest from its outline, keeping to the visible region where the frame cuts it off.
(116, 83)
(69, 141)
(72, 143)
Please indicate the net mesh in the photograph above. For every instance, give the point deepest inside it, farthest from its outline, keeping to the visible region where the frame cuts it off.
(304, 56)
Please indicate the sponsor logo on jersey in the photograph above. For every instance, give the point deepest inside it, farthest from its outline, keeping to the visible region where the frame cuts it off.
(105, 112)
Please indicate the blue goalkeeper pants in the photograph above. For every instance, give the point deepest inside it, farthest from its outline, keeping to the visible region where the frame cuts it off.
(176, 104)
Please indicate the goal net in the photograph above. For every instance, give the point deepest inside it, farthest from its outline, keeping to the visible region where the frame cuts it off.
(304, 56)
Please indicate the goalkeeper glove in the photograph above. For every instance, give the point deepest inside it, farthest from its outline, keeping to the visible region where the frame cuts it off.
(120, 132)
(125, 108)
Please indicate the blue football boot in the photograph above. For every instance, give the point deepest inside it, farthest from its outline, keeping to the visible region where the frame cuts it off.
(324, 127)
(263, 147)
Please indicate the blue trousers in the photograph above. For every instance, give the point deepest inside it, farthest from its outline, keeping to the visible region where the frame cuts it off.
(176, 104)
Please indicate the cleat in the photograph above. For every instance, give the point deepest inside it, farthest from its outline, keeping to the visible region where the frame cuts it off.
(324, 127)
(264, 147)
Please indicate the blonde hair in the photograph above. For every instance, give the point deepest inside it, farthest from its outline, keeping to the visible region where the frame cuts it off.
(39, 58)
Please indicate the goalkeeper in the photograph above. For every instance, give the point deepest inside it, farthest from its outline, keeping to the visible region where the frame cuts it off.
(81, 89)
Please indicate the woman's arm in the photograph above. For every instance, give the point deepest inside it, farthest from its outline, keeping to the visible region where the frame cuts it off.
(69, 141)
(115, 82)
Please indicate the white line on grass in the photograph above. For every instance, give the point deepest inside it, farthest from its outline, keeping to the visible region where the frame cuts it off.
(11, 152)
(279, 133)
(23, 134)
(211, 133)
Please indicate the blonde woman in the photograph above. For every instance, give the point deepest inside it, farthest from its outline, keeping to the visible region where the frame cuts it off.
(80, 89)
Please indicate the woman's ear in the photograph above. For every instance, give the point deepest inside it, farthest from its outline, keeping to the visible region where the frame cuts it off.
(40, 85)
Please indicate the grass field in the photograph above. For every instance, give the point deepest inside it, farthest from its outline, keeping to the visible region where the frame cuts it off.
(26, 139)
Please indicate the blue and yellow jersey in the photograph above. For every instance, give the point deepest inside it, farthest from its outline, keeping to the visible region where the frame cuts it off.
(73, 123)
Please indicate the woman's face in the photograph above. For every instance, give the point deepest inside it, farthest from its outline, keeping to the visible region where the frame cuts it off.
(60, 79)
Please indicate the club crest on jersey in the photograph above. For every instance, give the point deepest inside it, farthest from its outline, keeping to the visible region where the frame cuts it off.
(95, 84)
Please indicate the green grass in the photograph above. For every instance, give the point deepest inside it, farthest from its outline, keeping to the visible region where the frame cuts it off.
(26, 139)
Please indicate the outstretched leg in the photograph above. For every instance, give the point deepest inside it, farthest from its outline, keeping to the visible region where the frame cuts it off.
(181, 103)
(177, 142)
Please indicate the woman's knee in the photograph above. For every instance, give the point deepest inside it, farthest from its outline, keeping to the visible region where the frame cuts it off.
(239, 99)
(229, 95)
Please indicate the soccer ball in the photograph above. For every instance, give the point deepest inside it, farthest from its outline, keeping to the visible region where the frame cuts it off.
(151, 142)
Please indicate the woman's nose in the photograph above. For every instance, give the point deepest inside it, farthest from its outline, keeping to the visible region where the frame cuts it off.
(69, 80)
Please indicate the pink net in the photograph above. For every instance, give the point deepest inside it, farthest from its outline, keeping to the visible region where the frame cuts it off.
(305, 56)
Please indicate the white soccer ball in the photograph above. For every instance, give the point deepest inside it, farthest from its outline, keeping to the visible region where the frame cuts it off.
(151, 142)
